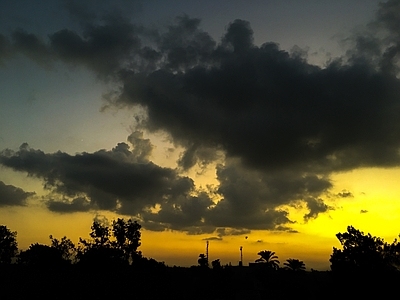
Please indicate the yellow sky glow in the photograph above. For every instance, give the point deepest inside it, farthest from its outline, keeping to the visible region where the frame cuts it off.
(375, 191)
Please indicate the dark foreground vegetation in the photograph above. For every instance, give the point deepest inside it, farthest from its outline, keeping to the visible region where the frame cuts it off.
(74, 282)
(108, 265)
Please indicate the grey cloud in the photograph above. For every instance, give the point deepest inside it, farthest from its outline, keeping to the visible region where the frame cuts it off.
(112, 180)
(213, 238)
(345, 194)
(239, 36)
(251, 198)
(316, 206)
(185, 213)
(122, 180)
(201, 156)
(13, 196)
(231, 231)
(142, 148)
(379, 43)
(33, 47)
(5, 49)
(154, 226)
(104, 49)
(184, 45)
(287, 229)
(79, 204)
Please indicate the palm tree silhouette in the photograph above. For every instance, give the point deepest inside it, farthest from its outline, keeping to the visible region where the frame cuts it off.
(269, 258)
(294, 265)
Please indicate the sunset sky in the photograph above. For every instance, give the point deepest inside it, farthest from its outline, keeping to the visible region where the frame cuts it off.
(271, 125)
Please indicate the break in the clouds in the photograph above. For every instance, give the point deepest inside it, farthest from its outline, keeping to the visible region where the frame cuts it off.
(13, 196)
(276, 125)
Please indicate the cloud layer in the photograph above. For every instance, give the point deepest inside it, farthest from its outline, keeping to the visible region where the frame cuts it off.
(122, 180)
(275, 125)
(13, 196)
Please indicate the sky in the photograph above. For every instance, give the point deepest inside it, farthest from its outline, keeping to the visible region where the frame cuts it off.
(271, 125)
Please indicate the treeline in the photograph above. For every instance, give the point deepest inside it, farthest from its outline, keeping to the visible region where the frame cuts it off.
(109, 264)
(114, 245)
(360, 253)
(118, 243)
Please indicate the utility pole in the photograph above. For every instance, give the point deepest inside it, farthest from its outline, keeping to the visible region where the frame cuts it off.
(241, 256)
(207, 251)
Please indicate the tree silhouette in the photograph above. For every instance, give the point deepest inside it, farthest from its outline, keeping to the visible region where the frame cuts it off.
(269, 259)
(98, 250)
(100, 235)
(8, 245)
(203, 261)
(41, 255)
(127, 238)
(65, 247)
(294, 265)
(115, 245)
(364, 253)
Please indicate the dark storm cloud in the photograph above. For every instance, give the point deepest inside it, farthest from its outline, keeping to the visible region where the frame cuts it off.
(183, 212)
(184, 45)
(251, 197)
(124, 181)
(268, 107)
(32, 46)
(142, 147)
(201, 156)
(112, 180)
(13, 196)
(282, 124)
(379, 44)
(104, 49)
